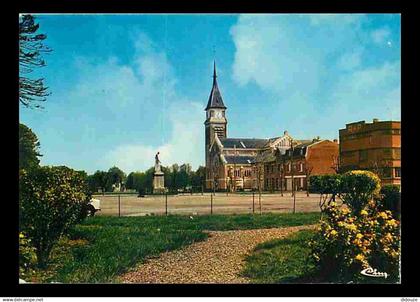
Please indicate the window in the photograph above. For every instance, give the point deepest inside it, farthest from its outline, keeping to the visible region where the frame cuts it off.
(397, 172)
(211, 113)
(396, 153)
(300, 167)
(279, 168)
(288, 167)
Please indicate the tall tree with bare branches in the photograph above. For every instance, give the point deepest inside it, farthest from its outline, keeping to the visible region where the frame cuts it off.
(32, 91)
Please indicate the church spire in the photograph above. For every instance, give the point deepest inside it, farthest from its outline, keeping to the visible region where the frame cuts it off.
(214, 71)
(215, 99)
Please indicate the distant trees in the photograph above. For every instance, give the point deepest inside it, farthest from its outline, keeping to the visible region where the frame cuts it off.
(176, 177)
(28, 148)
(99, 180)
(31, 48)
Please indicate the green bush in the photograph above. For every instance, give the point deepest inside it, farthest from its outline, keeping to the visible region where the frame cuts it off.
(358, 187)
(348, 242)
(359, 234)
(51, 200)
(27, 255)
(329, 186)
(390, 199)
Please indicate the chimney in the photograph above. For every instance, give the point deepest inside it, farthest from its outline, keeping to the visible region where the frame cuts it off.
(375, 120)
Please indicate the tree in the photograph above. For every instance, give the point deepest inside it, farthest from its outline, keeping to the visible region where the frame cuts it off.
(308, 171)
(31, 47)
(115, 176)
(28, 148)
(51, 200)
(198, 177)
(98, 180)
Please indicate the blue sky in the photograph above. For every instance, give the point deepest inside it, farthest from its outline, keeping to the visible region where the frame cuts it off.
(126, 86)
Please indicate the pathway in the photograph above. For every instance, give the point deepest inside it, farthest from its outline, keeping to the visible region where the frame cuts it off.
(219, 259)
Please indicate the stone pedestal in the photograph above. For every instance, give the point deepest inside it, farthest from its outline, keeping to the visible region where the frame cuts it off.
(158, 182)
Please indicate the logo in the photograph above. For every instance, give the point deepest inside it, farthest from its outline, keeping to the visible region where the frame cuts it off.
(370, 272)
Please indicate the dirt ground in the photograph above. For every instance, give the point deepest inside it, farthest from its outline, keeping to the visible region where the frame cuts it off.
(198, 204)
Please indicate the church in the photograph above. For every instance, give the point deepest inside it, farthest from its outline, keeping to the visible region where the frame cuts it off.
(244, 163)
(230, 162)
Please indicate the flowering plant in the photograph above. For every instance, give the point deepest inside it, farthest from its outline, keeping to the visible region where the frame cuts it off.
(351, 238)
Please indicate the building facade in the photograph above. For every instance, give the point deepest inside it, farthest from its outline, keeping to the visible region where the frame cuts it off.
(372, 146)
(298, 163)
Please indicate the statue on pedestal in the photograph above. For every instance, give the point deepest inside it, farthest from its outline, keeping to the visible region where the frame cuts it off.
(158, 177)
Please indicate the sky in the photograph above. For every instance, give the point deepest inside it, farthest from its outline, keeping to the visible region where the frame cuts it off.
(126, 86)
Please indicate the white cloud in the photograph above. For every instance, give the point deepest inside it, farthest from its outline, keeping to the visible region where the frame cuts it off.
(379, 36)
(269, 55)
(294, 61)
(183, 146)
(375, 88)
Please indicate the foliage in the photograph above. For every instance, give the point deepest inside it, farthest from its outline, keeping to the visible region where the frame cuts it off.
(27, 255)
(281, 260)
(115, 244)
(390, 199)
(31, 48)
(348, 242)
(328, 186)
(51, 200)
(176, 177)
(358, 188)
(99, 180)
(28, 148)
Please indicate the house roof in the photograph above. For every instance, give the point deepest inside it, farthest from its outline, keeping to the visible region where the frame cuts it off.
(215, 98)
(243, 143)
(239, 160)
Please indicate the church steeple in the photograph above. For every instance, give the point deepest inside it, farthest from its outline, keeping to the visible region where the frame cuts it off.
(215, 98)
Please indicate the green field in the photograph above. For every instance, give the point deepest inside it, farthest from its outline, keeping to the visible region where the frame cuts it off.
(102, 248)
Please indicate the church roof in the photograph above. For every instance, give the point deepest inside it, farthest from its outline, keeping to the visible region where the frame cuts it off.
(239, 160)
(215, 98)
(243, 143)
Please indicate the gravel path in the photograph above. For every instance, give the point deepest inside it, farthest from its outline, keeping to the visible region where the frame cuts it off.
(219, 259)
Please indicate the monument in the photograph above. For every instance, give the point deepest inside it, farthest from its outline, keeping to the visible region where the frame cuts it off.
(158, 177)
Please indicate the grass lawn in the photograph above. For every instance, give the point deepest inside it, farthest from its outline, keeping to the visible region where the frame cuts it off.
(281, 260)
(287, 261)
(101, 248)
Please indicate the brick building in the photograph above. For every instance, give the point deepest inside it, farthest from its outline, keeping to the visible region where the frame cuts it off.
(372, 146)
(306, 158)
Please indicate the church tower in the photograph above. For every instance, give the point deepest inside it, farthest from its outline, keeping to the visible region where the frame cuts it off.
(216, 121)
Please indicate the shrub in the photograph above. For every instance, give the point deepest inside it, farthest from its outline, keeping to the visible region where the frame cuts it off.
(51, 200)
(27, 255)
(358, 235)
(347, 243)
(358, 188)
(390, 199)
(329, 186)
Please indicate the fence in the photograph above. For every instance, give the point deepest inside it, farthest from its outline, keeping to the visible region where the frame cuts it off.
(206, 203)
